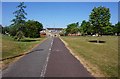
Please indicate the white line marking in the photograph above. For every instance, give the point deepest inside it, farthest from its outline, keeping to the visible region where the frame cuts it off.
(51, 43)
(50, 49)
(45, 66)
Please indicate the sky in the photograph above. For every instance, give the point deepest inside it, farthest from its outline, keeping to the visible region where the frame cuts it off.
(57, 14)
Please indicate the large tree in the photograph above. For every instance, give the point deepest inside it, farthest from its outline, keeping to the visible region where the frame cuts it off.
(19, 15)
(33, 29)
(100, 18)
(19, 20)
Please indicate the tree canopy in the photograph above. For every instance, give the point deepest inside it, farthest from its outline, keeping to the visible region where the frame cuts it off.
(99, 23)
(33, 29)
(72, 28)
(86, 28)
(100, 18)
(20, 27)
(18, 24)
(19, 14)
(117, 28)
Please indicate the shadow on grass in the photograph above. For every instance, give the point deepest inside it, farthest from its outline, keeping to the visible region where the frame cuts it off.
(95, 41)
(28, 40)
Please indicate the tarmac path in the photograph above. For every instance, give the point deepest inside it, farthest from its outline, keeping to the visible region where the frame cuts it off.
(49, 59)
(30, 65)
(63, 64)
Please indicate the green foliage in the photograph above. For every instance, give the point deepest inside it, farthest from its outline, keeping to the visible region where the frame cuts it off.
(1, 29)
(72, 28)
(117, 28)
(20, 27)
(86, 28)
(19, 35)
(18, 24)
(5, 30)
(13, 30)
(98, 23)
(100, 18)
(108, 30)
(33, 29)
(19, 14)
(63, 32)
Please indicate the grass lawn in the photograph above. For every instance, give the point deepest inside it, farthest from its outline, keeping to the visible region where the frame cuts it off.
(10, 47)
(104, 55)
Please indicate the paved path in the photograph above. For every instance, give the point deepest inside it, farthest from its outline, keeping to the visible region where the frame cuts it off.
(63, 64)
(31, 65)
(50, 59)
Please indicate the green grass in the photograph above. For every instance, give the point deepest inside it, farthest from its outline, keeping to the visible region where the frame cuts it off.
(103, 55)
(10, 47)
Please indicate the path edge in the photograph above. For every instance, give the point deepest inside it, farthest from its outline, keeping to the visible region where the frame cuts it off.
(19, 56)
(82, 61)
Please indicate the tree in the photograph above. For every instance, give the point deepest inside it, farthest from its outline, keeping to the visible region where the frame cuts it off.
(117, 28)
(13, 30)
(108, 30)
(1, 29)
(100, 18)
(19, 35)
(83, 27)
(5, 30)
(63, 32)
(33, 29)
(19, 20)
(19, 14)
(86, 28)
(72, 28)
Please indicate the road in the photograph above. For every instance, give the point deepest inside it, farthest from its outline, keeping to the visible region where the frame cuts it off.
(50, 59)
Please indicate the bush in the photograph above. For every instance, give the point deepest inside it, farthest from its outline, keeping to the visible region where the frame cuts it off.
(19, 35)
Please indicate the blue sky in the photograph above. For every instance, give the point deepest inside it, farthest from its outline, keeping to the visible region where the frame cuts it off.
(57, 14)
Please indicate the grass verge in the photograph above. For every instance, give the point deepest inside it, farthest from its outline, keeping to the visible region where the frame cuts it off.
(101, 58)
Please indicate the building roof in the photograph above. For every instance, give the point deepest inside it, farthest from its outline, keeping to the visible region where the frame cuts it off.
(55, 28)
(43, 29)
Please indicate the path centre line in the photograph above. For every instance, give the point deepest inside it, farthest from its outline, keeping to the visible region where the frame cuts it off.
(45, 66)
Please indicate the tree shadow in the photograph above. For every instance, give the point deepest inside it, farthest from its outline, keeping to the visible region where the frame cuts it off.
(35, 50)
(96, 41)
(21, 54)
(28, 40)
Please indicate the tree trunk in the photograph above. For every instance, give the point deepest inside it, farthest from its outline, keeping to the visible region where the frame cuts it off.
(98, 38)
(98, 41)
